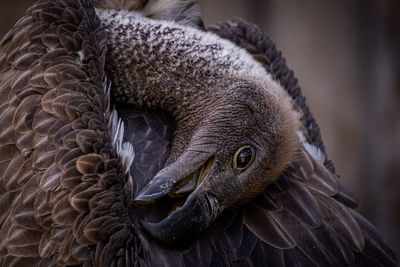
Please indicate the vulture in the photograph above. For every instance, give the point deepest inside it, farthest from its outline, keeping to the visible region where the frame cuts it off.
(131, 135)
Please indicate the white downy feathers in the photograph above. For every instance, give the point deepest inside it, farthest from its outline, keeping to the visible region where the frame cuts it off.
(124, 150)
(314, 151)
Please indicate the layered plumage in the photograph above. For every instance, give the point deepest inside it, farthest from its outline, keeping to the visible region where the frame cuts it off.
(68, 181)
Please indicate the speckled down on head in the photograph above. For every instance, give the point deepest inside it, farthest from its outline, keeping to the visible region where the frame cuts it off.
(152, 53)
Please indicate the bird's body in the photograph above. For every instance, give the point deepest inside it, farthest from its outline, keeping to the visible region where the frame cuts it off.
(193, 78)
(217, 163)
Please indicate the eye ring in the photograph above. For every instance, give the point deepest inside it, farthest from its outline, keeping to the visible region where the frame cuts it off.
(243, 158)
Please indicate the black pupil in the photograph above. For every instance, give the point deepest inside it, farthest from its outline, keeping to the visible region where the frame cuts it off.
(244, 158)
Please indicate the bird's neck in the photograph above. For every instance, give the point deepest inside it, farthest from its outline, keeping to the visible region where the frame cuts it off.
(162, 65)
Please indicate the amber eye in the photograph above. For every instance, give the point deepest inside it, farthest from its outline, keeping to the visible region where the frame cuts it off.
(243, 158)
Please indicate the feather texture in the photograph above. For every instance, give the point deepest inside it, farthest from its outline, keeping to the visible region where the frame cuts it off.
(44, 84)
(66, 178)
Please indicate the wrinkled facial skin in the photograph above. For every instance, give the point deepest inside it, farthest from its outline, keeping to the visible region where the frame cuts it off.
(248, 118)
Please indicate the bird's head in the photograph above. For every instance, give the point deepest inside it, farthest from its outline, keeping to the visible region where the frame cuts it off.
(238, 142)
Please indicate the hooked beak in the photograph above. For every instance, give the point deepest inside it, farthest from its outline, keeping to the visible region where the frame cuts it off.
(200, 208)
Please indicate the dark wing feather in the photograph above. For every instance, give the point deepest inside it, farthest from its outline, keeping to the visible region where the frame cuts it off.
(306, 217)
(56, 151)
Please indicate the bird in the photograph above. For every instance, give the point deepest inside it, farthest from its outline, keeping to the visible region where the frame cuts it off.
(137, 138)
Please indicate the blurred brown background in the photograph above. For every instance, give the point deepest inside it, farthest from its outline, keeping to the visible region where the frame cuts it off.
(346, 55)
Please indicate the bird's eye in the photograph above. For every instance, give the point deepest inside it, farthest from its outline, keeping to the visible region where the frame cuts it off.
(243, 158)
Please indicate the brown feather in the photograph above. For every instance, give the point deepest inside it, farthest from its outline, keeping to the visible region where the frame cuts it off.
(8, 152)
(54, 75)
(50, 38)
(58, 136)
(85, 140)
(69, 159)
(7, 135)
(5, 227)
(25, 143)
(50, 179)
(20, 81)
(6, 201)
(5, 87)
(36, 78)
(25, 171)
(80, 199)
(44, 153)
(43, 210)
(322, 180)
(47, 100)
(43, 122)
(69, 140)
(88, 163)
(258, 220)
(48, 245)
(10, 177)
(92, 229)
(300, 202)
(23, 215)
(11, 261)
(71, 178)
(340, 220)
(63, 213)
(25, 60)
(23, 242)
(23, 116)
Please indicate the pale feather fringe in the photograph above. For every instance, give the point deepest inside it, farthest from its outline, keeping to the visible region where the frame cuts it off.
(314, 151)
(125, 150)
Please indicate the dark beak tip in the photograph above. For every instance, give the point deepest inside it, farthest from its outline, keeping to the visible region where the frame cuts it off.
(162, 235)
(167, 236)
(181, 227)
